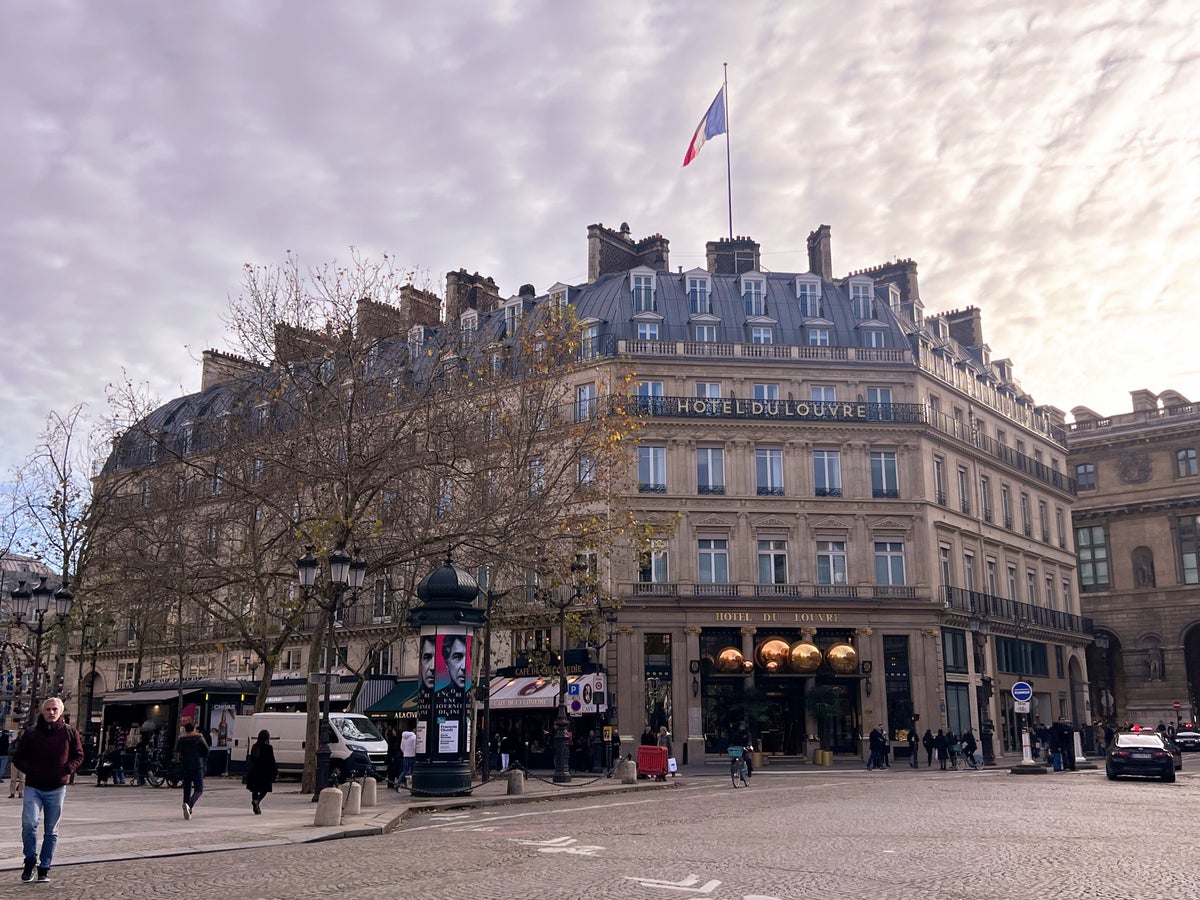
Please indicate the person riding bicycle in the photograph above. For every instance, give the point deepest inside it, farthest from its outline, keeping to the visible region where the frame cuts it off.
(741, 738)
(969, 745)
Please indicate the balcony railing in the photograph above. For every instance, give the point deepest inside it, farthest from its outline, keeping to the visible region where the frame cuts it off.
(1013, 611)
(734, 590)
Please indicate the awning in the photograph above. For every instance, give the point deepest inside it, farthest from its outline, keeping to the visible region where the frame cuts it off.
(372, 691)
(130, 697)
(401, 699)
(298, 693)
(527, 692)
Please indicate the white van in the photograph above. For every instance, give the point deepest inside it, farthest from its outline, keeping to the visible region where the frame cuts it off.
(351, 731)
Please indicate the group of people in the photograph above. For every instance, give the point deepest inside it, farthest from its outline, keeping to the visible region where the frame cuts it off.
(402, 755)
(46, 756)
(950, 748)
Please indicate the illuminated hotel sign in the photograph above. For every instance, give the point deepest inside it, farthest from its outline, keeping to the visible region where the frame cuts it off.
(777, 409)
(779, 617)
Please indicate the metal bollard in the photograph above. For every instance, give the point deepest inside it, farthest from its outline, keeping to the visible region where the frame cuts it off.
(516, 781)
(329, 808)
(370, 792)
(353, 805)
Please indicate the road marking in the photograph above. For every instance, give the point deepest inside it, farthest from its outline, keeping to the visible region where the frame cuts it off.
(688, 884)
(561, 845)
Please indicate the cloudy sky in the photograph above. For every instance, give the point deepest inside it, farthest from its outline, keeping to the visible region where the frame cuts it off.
(1040, 160)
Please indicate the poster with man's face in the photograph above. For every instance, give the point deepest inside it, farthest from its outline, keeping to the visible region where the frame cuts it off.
(443, 698)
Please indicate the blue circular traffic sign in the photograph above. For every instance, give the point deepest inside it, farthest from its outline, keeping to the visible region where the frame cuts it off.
(1022, 691)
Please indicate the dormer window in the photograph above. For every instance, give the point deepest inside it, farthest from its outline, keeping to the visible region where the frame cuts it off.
(470, 325)
(754, 294)
(512, 313)
(641, 284)
(699, 290)
(862, 292)
(760, 335)
(647, 331)
(589, 338)
(893, 298)
(818, 337)
(808, 296)
(874, 337)
(416, 340)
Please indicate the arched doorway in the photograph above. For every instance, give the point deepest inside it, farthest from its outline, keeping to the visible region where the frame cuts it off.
(1107, 683)
(1191, 664)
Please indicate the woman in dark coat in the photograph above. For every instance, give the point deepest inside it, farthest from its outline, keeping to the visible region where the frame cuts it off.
(262, 772)
(927, 740)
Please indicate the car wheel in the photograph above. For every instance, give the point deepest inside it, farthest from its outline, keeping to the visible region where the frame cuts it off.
(1169, 776)
(1108, 770)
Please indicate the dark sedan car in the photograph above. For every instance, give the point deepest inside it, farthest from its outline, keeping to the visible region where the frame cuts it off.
(1188, 740)
(1141, 753)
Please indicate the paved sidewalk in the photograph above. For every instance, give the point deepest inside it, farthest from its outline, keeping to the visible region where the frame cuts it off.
(115, 822)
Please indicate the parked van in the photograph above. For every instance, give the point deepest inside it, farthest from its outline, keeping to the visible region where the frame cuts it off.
(350, 731)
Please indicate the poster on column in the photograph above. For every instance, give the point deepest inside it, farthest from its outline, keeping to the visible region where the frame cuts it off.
(444, 696)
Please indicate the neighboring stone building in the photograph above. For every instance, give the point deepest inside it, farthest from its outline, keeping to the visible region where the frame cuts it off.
(842, 492)
(1136, 529)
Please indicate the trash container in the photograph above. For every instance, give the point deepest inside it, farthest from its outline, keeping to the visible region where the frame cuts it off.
(218, 761)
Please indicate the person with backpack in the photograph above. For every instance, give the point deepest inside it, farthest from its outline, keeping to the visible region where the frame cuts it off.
(48, 754)
(192, 749)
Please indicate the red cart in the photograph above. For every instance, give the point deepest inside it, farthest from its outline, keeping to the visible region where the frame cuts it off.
(652, 762)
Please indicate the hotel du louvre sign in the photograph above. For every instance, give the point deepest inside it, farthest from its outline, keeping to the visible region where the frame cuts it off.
(778, 617)
(799, 410)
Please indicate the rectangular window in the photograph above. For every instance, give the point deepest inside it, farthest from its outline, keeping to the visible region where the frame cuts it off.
(831, 562)
(860, 300)
(699, 301)
(881, 395)
(947, 570)
(1006, 506)
(1031, 586)
(649, 388)
(710, 470)
(954, 651)
(381, 608)
(964, 491)
(1050, 599)
(537, 477)
(590, 341)
(1091, 548)
(1018, 657)
(884, 481)
(991, 578)
(1026, 524)
(766, 391)
(585, 402)
(969, 571)
(958, 706)
(1189, 548)
(708, 390)
(768, 472)
(218, 479)
(827, 473)
(643, 293)
(1012, 583)
(889, 562)
(772, 561)
(752, 295)
(1185, 463)
(647, 331)
(822, 393)
(806, 296)
(1085, 476)
(706, 334)
(939, 481)
(818, 337)
(713, 561)
(762, 335)
(587, 469)
(652, 564)
(985, 497)
(445, 497)
(874, 338)
(1059, 518)
(652, 470)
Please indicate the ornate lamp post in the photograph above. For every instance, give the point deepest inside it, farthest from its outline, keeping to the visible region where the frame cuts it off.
(981, 627)
(344, 572)
(29, 610)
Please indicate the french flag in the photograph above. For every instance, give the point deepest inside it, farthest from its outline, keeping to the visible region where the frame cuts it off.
(711, 125)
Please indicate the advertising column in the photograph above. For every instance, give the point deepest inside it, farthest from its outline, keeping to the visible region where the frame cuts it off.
(444, 697)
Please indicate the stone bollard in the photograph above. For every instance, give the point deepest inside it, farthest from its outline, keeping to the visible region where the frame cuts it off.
(628, 771)
(329, 808)
(353, 805)
(516, 781)
(370, 795)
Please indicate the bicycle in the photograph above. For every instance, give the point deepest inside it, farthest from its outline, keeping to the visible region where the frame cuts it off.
(165, 771)
(737, 766)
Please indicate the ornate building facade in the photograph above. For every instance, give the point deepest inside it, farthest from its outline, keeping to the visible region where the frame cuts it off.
(1136, 527)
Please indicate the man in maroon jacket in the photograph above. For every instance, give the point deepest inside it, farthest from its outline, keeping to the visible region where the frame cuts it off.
(49, 754)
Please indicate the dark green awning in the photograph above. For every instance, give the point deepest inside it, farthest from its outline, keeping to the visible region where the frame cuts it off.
(400, 699)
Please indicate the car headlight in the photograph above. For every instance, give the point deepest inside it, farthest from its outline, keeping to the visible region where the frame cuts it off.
(356, 747)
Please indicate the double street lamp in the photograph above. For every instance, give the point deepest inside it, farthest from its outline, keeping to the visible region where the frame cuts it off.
(29, 610)
(344, 572)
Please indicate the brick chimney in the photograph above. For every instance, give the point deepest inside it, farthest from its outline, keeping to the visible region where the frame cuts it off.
(732, 256)
(464, 291)
(820, 258)
(222, 368)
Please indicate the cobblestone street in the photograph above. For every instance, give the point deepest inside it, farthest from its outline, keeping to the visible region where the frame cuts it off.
(805, 834)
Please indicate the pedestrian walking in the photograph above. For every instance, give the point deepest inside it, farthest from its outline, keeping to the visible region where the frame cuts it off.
(262, 771)
(914, 748)
(942, 748)
(48, 754)
(930, 746)
(408, 754)
(4, 748)
(876, 741)
(395, 759)
(192, 750)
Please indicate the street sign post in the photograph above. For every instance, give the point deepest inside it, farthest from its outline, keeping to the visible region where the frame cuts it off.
(1022, 691)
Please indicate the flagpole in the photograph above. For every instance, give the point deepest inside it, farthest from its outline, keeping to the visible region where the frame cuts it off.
(728, 173)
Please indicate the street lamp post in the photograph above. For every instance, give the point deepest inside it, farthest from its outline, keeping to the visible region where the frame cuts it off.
(344, 571)
(981, 627)
(485, 682)
(562, 745)
(29, 611)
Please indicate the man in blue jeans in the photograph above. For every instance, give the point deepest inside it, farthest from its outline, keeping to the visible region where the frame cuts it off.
(48, 754)
(193, 753)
